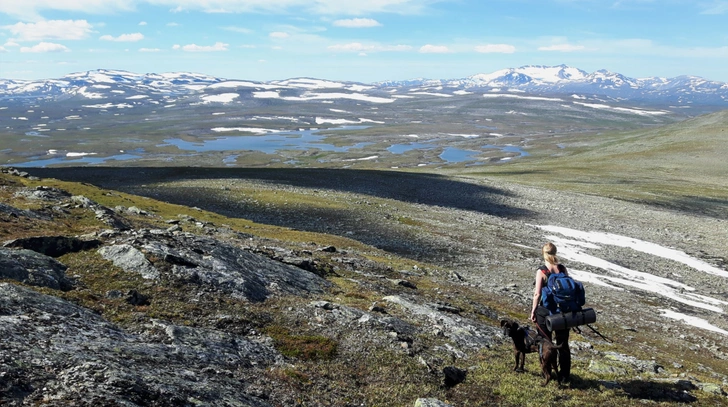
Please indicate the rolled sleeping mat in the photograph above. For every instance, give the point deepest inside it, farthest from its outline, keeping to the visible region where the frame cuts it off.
(566, 320)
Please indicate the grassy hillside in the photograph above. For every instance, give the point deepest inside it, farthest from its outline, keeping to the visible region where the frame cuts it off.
(374, 374)
(681, 165)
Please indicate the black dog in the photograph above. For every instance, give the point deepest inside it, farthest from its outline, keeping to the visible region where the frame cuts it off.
(525, 340)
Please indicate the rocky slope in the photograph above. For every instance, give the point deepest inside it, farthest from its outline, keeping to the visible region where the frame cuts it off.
(136, 305)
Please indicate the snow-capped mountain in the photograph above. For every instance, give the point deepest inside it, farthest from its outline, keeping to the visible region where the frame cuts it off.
(116, 85)
(563, 79)
(101, 83)
(536, 75)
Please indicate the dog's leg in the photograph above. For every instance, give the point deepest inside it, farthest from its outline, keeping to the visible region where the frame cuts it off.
(520, 361)
(545, 369)
(548, 361)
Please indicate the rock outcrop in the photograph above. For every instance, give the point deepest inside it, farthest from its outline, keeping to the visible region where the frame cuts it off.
(33, 268)
(57, 353)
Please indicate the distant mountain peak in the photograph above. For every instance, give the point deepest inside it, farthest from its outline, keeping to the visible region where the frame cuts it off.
(113, 84)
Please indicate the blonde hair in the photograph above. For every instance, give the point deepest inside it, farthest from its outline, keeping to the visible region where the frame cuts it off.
(549, 253)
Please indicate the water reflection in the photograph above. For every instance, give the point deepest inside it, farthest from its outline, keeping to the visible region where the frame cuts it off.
(403, 148)
(270, 143)
(508, 149)
(273, 143)
(457, 155)
(77, 161)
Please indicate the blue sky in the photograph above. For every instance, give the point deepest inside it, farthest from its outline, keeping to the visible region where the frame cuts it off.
(362, 40)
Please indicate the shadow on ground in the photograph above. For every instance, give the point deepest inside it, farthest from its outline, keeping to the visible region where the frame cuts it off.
(413, 188)
(658, 392)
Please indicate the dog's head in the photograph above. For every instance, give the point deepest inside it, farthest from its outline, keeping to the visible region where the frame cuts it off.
(509, 327)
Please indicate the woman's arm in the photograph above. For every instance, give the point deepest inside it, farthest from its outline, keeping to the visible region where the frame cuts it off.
(536, 293)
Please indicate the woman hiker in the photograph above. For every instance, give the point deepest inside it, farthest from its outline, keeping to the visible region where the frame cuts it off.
(539, 312)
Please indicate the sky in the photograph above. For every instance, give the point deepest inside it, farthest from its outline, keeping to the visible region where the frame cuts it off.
(362, 40)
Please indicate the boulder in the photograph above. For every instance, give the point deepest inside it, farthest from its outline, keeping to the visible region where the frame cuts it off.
(33, 268)
(128, 258)
(54, 246)
(454, 376)
(43, 193)
(55, 350)
(210, 262)
(430, 402)
(20, 213)
(599, 367)
(468, 333)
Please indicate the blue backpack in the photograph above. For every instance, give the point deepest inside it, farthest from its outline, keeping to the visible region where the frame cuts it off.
(562, 293)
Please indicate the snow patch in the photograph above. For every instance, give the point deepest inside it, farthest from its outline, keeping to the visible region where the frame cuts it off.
(322, 120)
(83, 92)
(109, 105)
(444, 95)
(255, 130)
(221, 98)
(69, 154)
(241, 84)
(623, 109)
(508, 95)
(694, 321)
(324, 96)
(464, 135)
(373, 157)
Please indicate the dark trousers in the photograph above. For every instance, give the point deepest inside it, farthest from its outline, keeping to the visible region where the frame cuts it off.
(559, 338)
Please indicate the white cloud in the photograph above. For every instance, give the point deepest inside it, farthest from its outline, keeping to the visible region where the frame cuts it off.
(496, 49)
(2, 49)
(279, 34)
(45, 47)
(357, 23)
(328, 7)
(142, 23)
(359, 47)
(172, 25)
(28, 10)
(351, 47)
(11, 43)
(219, 46)
(434, 49)
(123, 37)
(238, 29)
(149, 49)
(50, 30)
(562, 48)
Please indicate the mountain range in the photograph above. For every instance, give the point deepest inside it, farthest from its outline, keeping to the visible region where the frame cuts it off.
(540, 80)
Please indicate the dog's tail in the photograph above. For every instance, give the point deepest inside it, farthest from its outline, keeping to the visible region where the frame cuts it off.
(556, 347)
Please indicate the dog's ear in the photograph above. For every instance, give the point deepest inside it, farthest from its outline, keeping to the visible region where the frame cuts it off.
(503, 322)
(515, 325)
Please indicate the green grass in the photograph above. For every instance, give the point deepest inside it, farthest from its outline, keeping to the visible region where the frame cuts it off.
(304, 347)
(680, 166)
